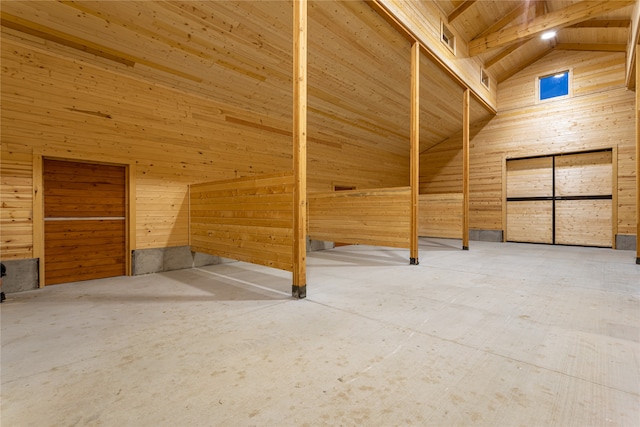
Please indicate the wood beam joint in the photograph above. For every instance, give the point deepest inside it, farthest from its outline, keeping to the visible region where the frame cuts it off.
(460, 10)
(568, 16)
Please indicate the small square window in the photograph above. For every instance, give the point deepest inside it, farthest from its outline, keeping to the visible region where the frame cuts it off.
(447, 37)
(554, 85)
(484, 78)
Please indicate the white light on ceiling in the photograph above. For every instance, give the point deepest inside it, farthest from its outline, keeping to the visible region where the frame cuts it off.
(548, 35)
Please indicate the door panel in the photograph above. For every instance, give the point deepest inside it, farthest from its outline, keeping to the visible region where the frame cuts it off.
(85, 221)
(588, 174)
(584, 222)
(563, 199)
(530, 177)
(530, 221)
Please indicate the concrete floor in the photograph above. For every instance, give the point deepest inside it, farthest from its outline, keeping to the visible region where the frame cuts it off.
(501, 335)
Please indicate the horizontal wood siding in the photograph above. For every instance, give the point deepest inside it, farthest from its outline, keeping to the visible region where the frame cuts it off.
(207, 109)
(73, 189)
(587, 174)
(530, 221)
(16, 198)
(600, 114)
(583, 222)
(379, 217)
(530, 177)
(248, 219)
(440, 215)
(423, 19)
(83, 250)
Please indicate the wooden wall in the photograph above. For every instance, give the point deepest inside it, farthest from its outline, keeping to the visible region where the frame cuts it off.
(379, 217)
(16, 187)
(67, 108)
(423, 19)
(248, 219)
(599, 114)
(359, 98)
(179, 116)
(440, 215)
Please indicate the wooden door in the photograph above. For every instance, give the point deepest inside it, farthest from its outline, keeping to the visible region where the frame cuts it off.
(85, 221)
(584, 199)
(530, 200)
(561, 199)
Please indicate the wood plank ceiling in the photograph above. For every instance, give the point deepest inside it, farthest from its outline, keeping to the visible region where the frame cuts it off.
(506, 34)
(359, 66)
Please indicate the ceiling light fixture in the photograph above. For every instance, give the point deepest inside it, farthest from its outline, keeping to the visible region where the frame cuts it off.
(548, 35)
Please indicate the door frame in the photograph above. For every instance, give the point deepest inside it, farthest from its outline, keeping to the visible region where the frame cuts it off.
(614, 185)
(38, 202)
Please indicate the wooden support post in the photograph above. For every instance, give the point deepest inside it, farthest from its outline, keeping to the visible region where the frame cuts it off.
(504, 198)
(299, 288)
(465, 170)
(38, 216)
(415, 150)
(614, 195)
(637, 157)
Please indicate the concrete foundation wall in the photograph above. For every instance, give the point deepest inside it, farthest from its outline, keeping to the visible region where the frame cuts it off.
(22, 275)
(626, 242)
(485, 235)
(156, 260)
(318, 245)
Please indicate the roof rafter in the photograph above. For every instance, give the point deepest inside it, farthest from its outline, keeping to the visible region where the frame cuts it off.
(460, 10)
(603, 23)
(541, 8)
(504, 53)
(597, 47)
(521, 67)
(508, 18)
(570, 15)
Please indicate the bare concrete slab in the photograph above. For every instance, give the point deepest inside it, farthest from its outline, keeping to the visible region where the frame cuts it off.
(502, 334)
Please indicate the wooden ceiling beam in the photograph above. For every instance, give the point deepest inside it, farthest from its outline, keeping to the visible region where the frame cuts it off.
(603, 23)
(601, 47)
(502, 22)
(541, 8)
(460, 10)
(524, 65)
(570, 15)
(503, 54)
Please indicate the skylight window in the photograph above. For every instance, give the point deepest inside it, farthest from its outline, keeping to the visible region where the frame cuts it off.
(554, 85)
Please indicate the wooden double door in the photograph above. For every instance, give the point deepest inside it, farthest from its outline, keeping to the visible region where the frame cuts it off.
(561, 199)
(85, 221)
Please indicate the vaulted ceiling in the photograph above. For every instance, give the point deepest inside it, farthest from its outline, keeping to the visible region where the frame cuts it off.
(506, 35)
(359, 66)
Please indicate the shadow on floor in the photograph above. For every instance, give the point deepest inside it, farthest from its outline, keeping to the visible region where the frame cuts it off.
(217, 283)
(350, 256)
(439, 244)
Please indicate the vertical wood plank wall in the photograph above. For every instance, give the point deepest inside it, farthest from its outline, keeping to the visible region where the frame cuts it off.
(600, 114)
(247, 219)
(379, 217)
